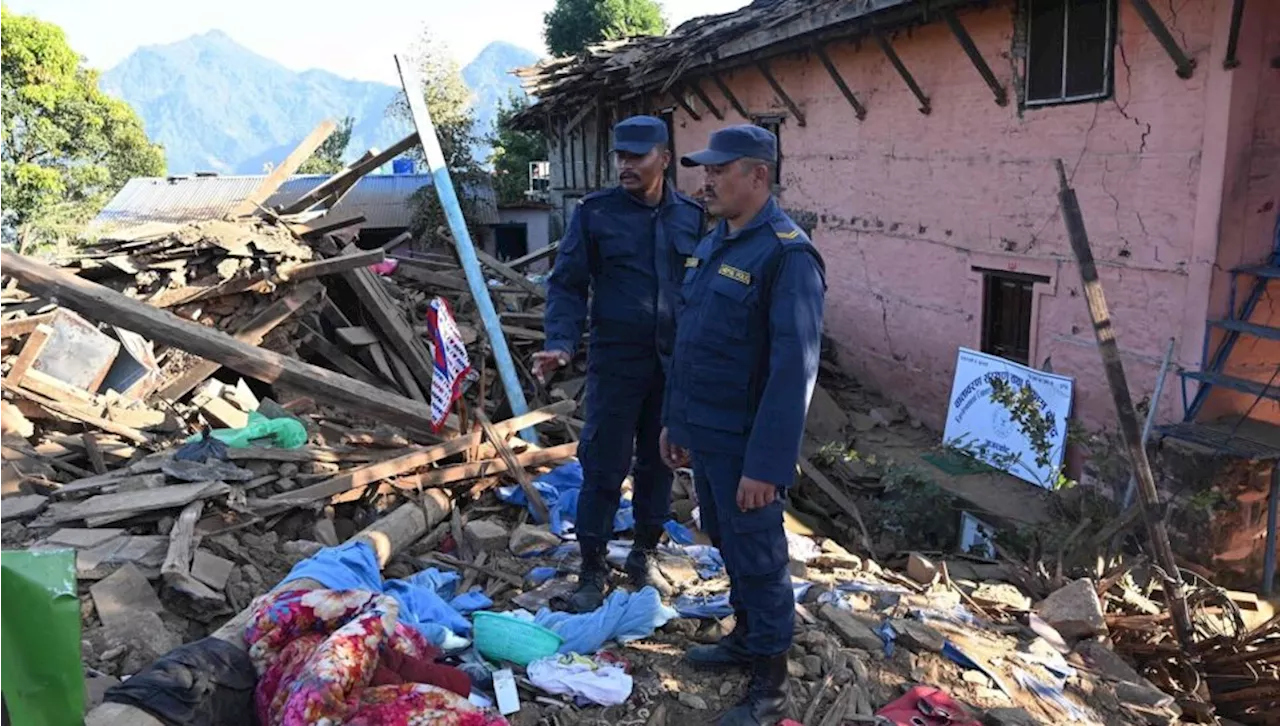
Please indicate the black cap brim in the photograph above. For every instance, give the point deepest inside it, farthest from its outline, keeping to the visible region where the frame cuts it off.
(708, 157)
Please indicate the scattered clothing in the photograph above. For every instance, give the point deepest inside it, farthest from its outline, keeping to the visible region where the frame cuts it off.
(395, 668)
(801, 548)
(206, 683)
(600, 682)
(539, 575)
(1053, 697)
(426, 599)
(560, 489)
(623, 617)
(718, 606)
(315, 650)
(678, 533)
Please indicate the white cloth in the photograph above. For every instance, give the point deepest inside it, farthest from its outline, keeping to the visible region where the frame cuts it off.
(605, 684)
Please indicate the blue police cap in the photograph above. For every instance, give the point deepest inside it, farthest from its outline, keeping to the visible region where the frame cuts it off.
(639, 134)
(733, 143)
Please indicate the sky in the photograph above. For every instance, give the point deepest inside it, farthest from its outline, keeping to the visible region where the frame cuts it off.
(355, 43)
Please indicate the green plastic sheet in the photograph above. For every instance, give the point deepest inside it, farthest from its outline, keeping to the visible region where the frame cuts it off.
(42, 678)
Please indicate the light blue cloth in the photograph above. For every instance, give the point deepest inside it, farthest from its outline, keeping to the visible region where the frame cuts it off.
(623, 617)
(717, 606)
(559, 489)
(714, 606)
(425, 598)
(888, 635)
(539, 575)
(678, 533)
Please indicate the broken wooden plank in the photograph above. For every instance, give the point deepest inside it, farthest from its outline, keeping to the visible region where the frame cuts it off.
(514, 468)
(318, 345)
(405, 378)
(22, 507)
(363, 476)
(515, 331)
(538, 254)
(251, 332)
(284, 170)
(95, 454)
(147, 500)
(22, 327)
(327, 223)
(429, 277)
(510, 275)
(160, 326)
(30, 349)
(79, 415)
(489, 467)
(356, 335)
(841, 499)
(390, 319)
(351, 174)
(181, 541)
(378, 355)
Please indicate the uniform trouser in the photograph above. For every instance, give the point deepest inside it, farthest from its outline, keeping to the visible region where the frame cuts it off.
(624, 417)
(754, 547)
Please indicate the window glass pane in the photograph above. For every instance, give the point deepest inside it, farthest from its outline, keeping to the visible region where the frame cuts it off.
(1044, 49)
(1087, 47)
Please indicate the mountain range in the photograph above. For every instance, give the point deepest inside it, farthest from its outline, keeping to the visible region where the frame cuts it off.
(217, 106)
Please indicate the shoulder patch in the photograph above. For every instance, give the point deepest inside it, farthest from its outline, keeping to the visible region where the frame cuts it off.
(788, 231)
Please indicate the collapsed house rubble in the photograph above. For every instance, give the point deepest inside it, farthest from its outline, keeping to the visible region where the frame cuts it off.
(207, 413)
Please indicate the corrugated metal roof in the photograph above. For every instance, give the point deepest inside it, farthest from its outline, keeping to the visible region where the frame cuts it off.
(382, 198)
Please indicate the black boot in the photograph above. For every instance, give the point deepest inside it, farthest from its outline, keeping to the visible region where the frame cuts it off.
(591, 579)
(641, 565)
(729, 653)
(766, 701)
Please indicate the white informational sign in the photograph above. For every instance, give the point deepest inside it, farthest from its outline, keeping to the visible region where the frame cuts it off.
(984, 428)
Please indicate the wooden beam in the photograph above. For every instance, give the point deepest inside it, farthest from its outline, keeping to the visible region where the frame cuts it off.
(499, 441)
(69, 411)
(356, 335)
(108, 306)
(287, 168)
(841, 499)
(577, 118)
(365, 475)
(420, 271)
(262, 282)
(696, 87)
(489, 467)
(975, 57)
(95, 454)
(892, 55)
(1105, 333)
(390, 320)
(327, 223)
(763, 66)
(534, 256)
(682, 103)
(251, 332)
(321, 347)
(509, 274)
(25, 326)
(858, 109)
(1184, 64)
(351, 174)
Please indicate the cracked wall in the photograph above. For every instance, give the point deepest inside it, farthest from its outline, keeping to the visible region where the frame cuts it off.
(908, 204)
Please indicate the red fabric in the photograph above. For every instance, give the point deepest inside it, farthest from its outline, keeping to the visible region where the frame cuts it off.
(395, 668)
(926, 706)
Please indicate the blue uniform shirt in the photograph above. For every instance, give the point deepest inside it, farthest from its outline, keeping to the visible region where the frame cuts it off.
(629, 257)
(748, 341)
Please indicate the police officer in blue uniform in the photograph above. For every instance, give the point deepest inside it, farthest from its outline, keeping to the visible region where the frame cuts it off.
(622, 256)
(748, 338)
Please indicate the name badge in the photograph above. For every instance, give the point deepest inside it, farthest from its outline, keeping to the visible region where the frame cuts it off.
(735, 274)
(691, 261)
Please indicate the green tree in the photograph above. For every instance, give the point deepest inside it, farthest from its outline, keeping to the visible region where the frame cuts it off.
(572, 25)
(328, 158)
(67, 146)
(449, 102)
(513, 149)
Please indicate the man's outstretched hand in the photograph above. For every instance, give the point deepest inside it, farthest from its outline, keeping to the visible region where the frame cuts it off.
(546, 362)
(673, 456)
(753, 493)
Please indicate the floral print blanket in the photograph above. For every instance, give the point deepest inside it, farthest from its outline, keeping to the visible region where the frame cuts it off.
(316, 652)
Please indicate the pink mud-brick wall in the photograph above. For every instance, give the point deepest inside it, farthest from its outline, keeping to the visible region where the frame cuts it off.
(908, 205)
